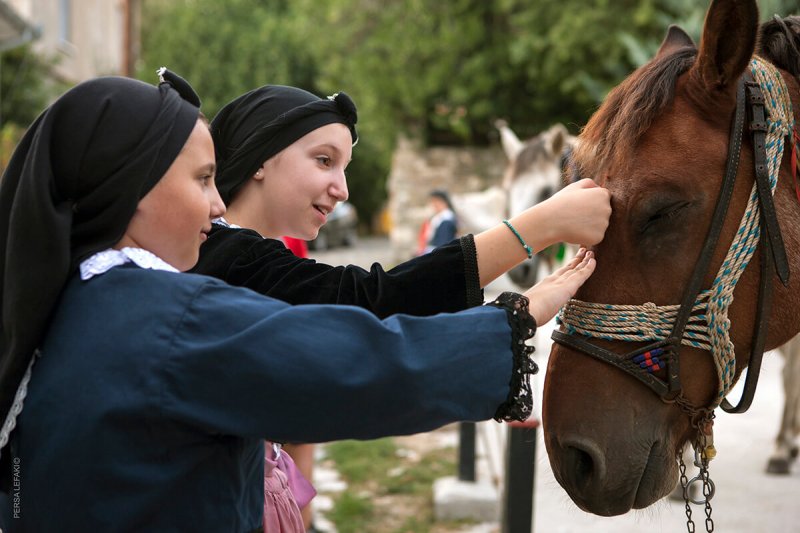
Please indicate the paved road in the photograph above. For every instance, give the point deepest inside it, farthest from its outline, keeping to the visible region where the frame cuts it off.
(366, 251)
(747, 500)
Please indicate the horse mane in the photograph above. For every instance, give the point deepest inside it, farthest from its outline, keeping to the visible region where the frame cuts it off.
(779, 43)
(629, 110)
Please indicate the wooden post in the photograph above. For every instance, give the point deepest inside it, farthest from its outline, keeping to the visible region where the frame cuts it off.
(517, 514)
(466, 451)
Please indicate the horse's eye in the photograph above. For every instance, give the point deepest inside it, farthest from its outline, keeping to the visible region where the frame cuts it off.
(660, 219)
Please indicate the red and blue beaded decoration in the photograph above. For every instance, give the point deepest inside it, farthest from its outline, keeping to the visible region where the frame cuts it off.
(649, 361)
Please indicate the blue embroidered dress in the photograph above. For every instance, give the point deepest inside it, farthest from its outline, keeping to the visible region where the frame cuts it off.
(148, 406)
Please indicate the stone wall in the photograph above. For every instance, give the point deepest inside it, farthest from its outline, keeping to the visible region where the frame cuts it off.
(416, 171)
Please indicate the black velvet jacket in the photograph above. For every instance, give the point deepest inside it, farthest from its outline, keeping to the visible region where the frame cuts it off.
(445, 280)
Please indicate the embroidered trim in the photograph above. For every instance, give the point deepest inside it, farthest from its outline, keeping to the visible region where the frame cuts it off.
(472, 279)
(519, 404)
(102, 262)
(16, 407)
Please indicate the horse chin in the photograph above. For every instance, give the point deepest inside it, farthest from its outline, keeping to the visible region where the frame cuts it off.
(610, 489)
(608, 458)
(658, 479)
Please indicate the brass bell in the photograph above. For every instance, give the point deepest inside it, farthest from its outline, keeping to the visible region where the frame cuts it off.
(710, 452)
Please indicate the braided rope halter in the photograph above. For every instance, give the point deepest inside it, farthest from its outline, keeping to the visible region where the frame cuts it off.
(701, 320)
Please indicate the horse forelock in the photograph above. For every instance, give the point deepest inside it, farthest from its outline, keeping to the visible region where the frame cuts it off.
(628, 112)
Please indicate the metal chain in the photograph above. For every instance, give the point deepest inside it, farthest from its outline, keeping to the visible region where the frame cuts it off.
(708, 492)
(685, 486)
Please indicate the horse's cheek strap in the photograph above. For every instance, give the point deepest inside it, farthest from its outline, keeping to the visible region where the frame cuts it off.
(758, 128)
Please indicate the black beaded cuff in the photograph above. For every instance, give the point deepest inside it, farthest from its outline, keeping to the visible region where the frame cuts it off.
(519, 404)
(472, 278)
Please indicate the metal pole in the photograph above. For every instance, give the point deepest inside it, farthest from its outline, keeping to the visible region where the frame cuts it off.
(519, 482)
(466, 451)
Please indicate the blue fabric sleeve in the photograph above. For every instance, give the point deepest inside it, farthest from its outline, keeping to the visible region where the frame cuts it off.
(242, 364)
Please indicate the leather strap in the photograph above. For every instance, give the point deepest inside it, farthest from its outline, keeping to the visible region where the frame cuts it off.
(622, 362)
(770, 226)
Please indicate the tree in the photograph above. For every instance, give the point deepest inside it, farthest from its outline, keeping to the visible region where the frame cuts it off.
(245, 44)
(25, 89)
(442, 72)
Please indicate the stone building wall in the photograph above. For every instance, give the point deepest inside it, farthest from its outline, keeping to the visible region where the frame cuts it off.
(416, 171)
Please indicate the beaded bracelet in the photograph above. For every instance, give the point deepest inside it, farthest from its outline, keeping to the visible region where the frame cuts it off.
(528, 249)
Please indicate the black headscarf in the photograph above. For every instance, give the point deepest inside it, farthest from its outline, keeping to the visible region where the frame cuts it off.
(70, 190)
(259, 124)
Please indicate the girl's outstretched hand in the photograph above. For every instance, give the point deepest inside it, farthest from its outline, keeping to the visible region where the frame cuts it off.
(579, 213)
(550, 294)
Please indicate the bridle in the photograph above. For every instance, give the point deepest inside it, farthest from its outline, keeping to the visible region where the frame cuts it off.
(656, 364)
(661, 357)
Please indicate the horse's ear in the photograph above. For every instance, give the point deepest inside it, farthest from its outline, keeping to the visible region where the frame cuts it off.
(512, 146)
(676, 38)
(727, 44)
(558, 139)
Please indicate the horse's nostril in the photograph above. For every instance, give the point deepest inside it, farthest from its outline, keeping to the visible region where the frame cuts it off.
(579, 467)
(583, 467)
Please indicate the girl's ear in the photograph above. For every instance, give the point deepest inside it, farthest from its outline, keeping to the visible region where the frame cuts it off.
(259, 175)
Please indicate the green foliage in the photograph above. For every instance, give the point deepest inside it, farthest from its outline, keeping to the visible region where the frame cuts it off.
(438, 71)
(359, 461)
(388, 491)
(352, 514)
(419, 477)
(224, 48)
(24, 88)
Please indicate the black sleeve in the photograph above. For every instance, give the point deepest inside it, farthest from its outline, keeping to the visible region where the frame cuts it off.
(446, 280)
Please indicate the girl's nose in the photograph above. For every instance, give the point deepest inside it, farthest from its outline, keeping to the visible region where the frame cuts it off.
(217, 205)
(338, 188)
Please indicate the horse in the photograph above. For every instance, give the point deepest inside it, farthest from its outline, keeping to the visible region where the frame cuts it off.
(786, 442)
(532, 175)
(691, 160)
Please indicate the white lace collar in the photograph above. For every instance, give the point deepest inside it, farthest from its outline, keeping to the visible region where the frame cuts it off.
(102, 262)
(222, 222)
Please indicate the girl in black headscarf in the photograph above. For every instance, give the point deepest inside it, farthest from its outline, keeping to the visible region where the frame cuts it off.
(282, 154)
(136, 397)
(260, 134)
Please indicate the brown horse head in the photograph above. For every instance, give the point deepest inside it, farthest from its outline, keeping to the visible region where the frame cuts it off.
(659, 143)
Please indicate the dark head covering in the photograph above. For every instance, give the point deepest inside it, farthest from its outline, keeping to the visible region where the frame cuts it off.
(442, 195)
(259, 124)
(70, 190)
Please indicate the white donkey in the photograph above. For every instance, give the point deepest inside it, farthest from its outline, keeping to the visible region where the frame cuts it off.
(786, 443)
(534, 174)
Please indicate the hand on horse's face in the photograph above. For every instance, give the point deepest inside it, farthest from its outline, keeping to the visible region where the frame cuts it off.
(579, 213)
(550, 294)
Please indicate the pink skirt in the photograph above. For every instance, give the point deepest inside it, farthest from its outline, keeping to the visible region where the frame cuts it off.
(281, 478)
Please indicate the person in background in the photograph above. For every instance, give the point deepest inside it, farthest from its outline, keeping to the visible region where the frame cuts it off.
(442, 226)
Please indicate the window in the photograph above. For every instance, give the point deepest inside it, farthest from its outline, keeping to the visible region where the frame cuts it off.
(65, 20)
